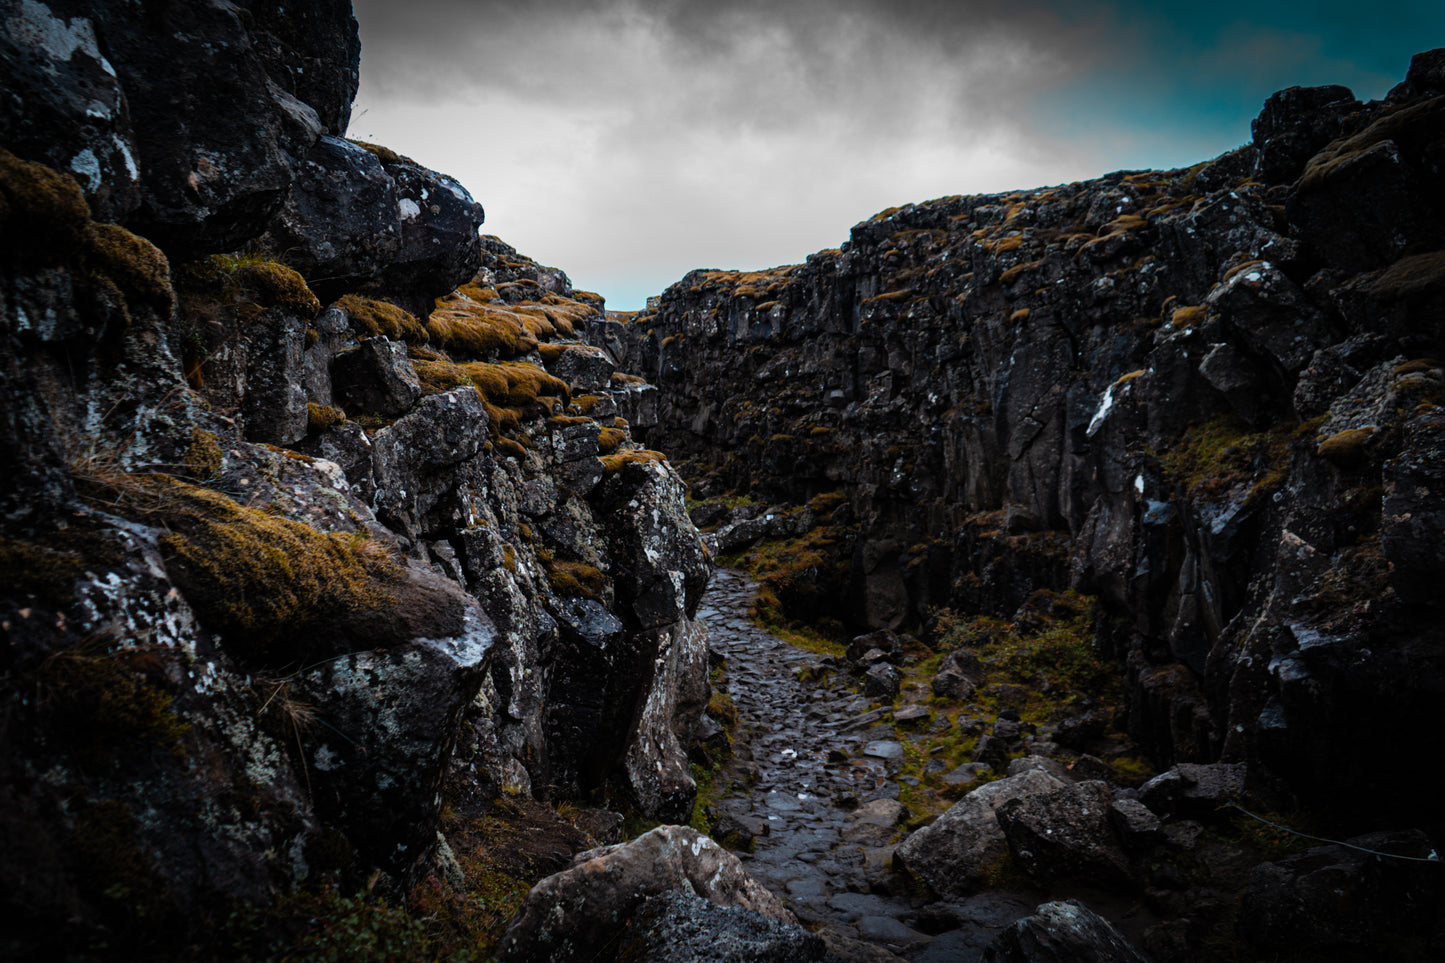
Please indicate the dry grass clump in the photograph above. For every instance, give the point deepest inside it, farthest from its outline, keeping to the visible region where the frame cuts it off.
(372, 317)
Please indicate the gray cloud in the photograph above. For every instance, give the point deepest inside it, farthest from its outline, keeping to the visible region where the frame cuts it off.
(629, 141)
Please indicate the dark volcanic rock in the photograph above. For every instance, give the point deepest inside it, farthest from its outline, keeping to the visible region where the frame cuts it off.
(1331, 898)
(1062, 932)
(679, 925)
(1066, 834)
(567, 915)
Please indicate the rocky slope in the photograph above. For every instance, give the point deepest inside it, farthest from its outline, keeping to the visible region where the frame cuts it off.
(1209, 397)
(322, 527)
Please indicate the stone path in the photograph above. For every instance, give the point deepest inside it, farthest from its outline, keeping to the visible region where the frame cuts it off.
(823, 805)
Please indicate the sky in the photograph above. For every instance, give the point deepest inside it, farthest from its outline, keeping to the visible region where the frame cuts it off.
(628, 142)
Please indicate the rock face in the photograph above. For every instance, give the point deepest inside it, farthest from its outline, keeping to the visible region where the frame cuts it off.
(283, 572)
(1206, 396)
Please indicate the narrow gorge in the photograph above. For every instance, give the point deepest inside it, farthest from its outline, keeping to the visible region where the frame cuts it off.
(1050, 575)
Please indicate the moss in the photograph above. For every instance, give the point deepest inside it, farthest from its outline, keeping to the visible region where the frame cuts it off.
(385, 155)
(612, 464)
(1411, 277)
(1346, 448)
(136, 265)
(1008, 244)
(1400, 120)
(552, 351)
(271, 587)
(203, 460)
(609, 439)
(43, 214)
(30, 570)
(1212, 457)
(1187, 316)
(1017, 271)
(511, 449)
(576, 580)
(373, 317)
(320, 418)
(585, 403)
(1019, 316)
(45, 220)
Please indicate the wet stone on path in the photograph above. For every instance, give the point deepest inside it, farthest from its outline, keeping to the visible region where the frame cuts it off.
(823, 808)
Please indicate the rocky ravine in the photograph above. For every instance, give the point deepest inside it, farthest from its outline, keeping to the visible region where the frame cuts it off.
(334, 569)
(1209, 397)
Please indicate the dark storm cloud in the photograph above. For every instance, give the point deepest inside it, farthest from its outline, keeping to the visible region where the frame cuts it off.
(627, 141)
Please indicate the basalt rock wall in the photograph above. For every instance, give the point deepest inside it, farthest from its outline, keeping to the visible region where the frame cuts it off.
(1209, 396)
(285, 566)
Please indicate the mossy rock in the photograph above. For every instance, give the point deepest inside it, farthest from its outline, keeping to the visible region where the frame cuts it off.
(1347, 448)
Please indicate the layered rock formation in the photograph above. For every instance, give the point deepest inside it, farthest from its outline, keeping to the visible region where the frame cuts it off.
(288, 567)
(1207, 396)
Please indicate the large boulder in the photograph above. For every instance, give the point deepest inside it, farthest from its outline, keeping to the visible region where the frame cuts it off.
(568, 915)
(1061, 932)
(439, 248)
(955, 853)
(340, 224)
(679, 925)
(414, 459)
(1066, 835)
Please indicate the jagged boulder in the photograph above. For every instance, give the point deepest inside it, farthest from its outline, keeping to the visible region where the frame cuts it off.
(954, 854)
(340, 224)
(1194, 790)
(567, 915)
(679, 925)
(1061, 932)
(1294, 124)
(1067, 834)
(438, 249)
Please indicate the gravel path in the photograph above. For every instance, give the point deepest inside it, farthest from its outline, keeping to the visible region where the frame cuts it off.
(821, 796)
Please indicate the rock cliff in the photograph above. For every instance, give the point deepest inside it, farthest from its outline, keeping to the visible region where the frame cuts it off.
(1209, 397)
(319, 516)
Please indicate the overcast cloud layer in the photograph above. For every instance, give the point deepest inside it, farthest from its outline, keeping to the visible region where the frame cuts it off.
(629, 141)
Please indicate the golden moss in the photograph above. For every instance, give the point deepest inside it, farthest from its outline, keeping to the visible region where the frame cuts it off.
(552, 351)
(257, 579)
(484, 327)
(1019, 316)
(1419, 116)
(1346, 448)
(321, 418)
(611, 464)
(136, 265)
(1188, 316)
(44, 219)
(1410, 277)
(609, 439)
(574, 579)
(43, 214)
(372, 317)
(1013, 273)
(1212, 457)
(512, 449)
(1009, 244)
(203, 460)
(386, 155)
